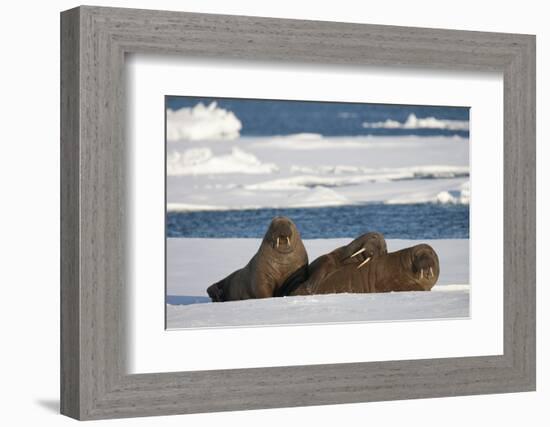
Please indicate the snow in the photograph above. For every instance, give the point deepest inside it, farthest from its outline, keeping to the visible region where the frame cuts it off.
(212, 259)
(458, 193)
(312, 170)
(186, 207)
(382, 174)
(315, 309)
(200, 161)
(460, 196)
(414, 122)
(201, 122)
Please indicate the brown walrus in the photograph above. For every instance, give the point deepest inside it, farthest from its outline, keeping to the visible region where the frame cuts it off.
(410, 269)
(281, 254)
(359, 252)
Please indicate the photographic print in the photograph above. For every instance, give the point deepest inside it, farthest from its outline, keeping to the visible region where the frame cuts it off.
(283, 212)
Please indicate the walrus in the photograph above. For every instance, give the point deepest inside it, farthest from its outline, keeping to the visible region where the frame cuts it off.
(281, 254)
(359, 252)
(410, 269)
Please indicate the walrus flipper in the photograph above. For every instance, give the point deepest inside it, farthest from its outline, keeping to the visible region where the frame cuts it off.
(293, 281)
(216, 291)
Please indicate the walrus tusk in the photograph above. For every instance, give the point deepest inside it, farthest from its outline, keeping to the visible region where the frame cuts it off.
(277, 242)
(421, 273)
(358, 252)
(363, 263)
(431, 272)
(288, 241)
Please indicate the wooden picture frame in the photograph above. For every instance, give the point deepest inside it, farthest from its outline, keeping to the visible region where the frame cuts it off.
(94, 382)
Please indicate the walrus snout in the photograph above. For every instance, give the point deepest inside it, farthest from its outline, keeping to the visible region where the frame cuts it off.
(425, 263)
(282, 232)
(282, 241)
(364, 248)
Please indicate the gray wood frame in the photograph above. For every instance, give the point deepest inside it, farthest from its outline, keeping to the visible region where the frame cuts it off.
(94, 41)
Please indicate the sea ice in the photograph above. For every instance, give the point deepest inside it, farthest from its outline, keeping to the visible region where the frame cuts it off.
(277, 172)
(201, 161)
(414, 122)
(201, 122)
(191, 269)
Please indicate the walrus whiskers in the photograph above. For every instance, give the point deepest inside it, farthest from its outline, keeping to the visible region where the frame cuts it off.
(363, 263)
(358, 252)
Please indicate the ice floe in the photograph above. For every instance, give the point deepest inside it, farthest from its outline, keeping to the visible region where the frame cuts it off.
(414, 122)
(189, 306)
(459, 196)
(201, 122)
(201, 160)
(258, 172)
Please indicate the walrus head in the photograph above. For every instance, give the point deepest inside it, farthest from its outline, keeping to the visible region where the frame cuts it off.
(364, 248)
(282, 234)
(425, 264)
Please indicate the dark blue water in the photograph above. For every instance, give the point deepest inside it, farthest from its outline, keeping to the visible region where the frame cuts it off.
(268, 117)
(412, 221)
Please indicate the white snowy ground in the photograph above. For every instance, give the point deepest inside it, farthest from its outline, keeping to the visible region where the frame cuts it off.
(213, 259)
(308, 170)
